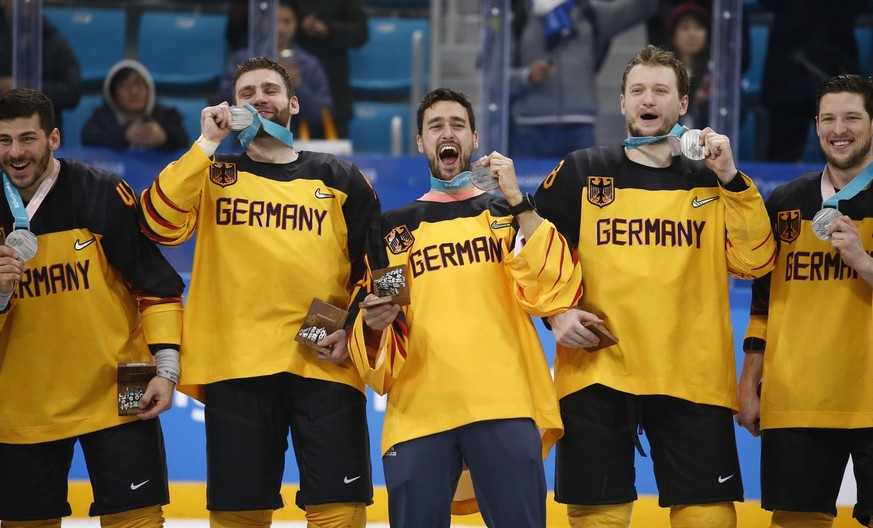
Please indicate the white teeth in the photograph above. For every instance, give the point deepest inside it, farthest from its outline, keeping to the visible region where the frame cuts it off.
(840, 143)
(445, 148)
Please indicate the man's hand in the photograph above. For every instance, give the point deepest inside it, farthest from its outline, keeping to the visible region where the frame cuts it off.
(568, 329)
(335, 347)
(379, 317)
(160, 391)
(11, 269)
(748, 394)
(846, 239)
(215, 122)
(719, 156)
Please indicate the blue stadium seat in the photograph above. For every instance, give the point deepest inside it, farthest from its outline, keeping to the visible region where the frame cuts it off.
(812, 150)
(74, 120)
(383, 67)
(759, 35)
(96, 35)
(754, 135)
(864, 37)
(190, 108)
(184, 51)
(380, 128)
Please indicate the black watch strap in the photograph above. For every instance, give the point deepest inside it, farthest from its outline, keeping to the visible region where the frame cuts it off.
(526, 204)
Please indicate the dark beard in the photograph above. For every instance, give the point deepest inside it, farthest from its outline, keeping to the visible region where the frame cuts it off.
(854, 160)
(635, 132)
(281, 118)
(433, 164)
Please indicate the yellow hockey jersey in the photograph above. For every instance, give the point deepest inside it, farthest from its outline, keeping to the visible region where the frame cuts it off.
(270, 238)
(656, 247)
(97, 293)
(813, 317)
(465, 349)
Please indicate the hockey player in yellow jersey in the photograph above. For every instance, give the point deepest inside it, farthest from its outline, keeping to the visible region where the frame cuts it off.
(93, 293)
(657, 234)
(275, 228)
(804, 385)
(465, 374)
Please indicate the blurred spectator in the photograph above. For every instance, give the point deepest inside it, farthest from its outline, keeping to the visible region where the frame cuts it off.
(810, 41)
(688, 26)
(327, 29)
(310, 80)
(553, 93)
(61, 74)
(657, 29)
(131, 116)
(237, 32)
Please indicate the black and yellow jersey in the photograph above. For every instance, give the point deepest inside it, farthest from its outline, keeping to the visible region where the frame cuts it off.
(656, 247)
(813, 317)
(270, 238)
(97, 293)
(465, 349)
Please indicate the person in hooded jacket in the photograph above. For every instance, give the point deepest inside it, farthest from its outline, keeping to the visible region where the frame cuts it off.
(131, 116)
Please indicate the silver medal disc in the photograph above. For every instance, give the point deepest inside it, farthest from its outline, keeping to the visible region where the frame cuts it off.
(481, 178)
(240, 118)
(821, 222)
(690, 146)
(24, 242)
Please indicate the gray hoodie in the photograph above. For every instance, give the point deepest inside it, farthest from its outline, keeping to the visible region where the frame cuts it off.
(569, 94)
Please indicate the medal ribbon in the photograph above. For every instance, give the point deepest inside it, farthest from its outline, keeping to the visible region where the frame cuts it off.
(43, 190)
(13, 198)
(639, 141)
(457, 182)
(848, 192)
(279, 132)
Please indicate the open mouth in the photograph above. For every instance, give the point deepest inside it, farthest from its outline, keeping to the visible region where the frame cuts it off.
(19, 165)
(449, 155)
(648, 117)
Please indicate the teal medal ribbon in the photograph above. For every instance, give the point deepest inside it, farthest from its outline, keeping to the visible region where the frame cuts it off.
(853, 188)
(821, 222)
(639, 141)
(279, 132)
(20, 239)
(16, 204)
(457, 182)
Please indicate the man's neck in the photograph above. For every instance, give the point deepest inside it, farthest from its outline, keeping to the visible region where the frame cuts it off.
(655, 155)
(842, 177)
(271, 150)
(28, 193)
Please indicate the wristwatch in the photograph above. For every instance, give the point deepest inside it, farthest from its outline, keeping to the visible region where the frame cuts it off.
(527, 204)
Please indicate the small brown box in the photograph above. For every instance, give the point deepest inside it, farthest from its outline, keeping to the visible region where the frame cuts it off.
(133, 379)
(606, 337)
(391, 285)
(322, 320)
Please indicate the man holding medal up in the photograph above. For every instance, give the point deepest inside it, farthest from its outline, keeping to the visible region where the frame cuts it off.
(805, 385)
(466, 387)
(81, 290)
(657, 234)
(276, 228)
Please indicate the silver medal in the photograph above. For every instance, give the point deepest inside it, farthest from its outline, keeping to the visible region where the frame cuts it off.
(821, 222)
(481, 178)
(24, 242)
(690, 146)
(240, 118)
